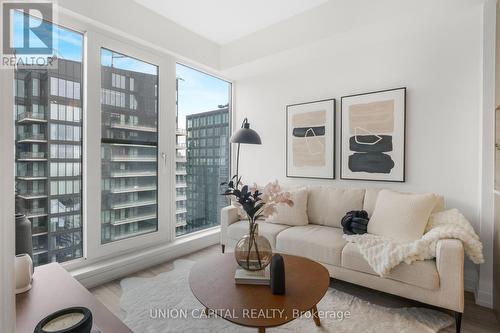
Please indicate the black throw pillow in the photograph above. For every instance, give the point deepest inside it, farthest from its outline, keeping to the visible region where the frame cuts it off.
(355, 222)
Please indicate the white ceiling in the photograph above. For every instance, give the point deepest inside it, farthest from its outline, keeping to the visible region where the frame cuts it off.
(223, 21)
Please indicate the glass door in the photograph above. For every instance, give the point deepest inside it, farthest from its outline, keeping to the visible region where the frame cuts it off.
(129, 146)
(132, 169)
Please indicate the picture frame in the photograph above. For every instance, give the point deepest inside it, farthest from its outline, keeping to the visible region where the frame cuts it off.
(311, 139)
(373, 136)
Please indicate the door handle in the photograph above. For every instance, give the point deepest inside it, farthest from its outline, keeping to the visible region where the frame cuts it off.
(164, 157)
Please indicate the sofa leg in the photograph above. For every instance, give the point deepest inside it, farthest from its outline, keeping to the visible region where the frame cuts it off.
(458, 321)
(223, 247)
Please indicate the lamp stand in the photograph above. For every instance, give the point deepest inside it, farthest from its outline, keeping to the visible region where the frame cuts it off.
(238, 162)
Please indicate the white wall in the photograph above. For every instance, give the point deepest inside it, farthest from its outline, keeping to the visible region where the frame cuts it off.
(433, 50)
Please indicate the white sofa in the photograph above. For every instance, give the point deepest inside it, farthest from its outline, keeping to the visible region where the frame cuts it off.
(436, 282)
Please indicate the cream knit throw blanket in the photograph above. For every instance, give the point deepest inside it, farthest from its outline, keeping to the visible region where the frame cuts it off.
(383, 254)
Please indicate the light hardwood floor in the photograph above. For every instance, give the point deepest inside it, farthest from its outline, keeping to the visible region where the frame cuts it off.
(476, 319)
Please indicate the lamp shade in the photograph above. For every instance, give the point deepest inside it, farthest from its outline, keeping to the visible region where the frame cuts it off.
(246, 135)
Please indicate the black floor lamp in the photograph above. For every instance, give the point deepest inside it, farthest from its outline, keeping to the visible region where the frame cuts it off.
(244, 135)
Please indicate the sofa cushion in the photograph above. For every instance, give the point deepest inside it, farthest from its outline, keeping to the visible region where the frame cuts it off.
(239, 229)
(327, 205)
(295, 215)
(316, 242)
(422, 274)
(401, 216)
(371, 195)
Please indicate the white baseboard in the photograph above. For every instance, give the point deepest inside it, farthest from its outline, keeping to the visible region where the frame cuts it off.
(111, 269)
(481, 298)
(484, 299)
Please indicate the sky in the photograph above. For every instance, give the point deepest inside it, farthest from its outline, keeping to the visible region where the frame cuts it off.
(67, 44)
(198, 92)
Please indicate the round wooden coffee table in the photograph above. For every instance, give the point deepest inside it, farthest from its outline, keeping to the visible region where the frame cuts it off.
(212, 283)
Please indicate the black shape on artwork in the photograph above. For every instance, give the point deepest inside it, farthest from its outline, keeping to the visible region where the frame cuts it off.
(370, 162)
(373, 143)
(302, 132)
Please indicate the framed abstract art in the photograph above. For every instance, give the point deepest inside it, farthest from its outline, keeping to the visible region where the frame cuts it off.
(310, 140)
(373, 136)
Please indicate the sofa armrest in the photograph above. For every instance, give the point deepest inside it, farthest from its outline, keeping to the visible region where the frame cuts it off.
(228, 215)
(450, 266)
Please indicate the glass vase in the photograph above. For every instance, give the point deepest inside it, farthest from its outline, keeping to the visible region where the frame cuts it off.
(253, 252)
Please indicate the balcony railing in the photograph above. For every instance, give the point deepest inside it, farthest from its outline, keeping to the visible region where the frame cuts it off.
(181, 210)
(37, 176)
(31, 136)
(133, 219)
(31, 116)
(180, 131)
(132, 158)
(31, 155)
(34, 212)
(132, 173)
(33, 195)
(131, 189)
(133, 127)
(131, 204)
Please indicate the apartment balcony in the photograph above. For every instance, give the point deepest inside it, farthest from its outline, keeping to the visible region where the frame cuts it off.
(38, 252)
(181, 172)
(181, 185)
(132, 204)
(182, 223)
(34, 212)
(31, 177)
(180, 158)
(29, 137)
(132, 173)
(132, 189)
(32, 195)
(133, 127)
(180, 132)
(131, 158)
(31, 117)
(181, 210)
(180, 197)
(27, 156)
(180, 146)
(37, 234)
(133, 219)
(133, 234)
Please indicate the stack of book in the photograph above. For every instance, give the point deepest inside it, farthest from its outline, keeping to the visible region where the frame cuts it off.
(242, 276)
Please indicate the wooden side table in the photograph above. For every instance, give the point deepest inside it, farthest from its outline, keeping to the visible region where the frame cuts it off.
(54, 289)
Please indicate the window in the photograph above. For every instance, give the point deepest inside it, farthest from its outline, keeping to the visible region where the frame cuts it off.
(132, 84)
(35, 87)
(40, 135)
(20, 88)
(197, 203)
(129, 149)
(132, 109)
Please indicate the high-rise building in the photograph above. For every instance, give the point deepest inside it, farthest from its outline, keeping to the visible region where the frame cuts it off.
(48, 114)
(180, 179)
(129, 104)
(207, 166)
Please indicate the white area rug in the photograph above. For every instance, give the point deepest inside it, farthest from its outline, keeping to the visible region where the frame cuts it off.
(170, 291)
